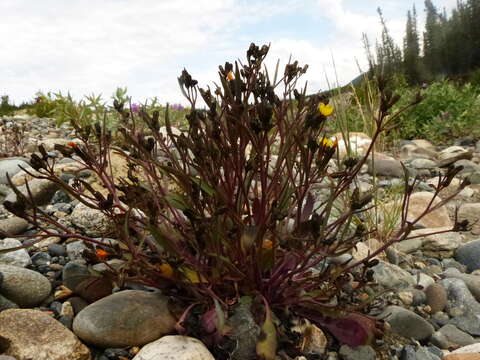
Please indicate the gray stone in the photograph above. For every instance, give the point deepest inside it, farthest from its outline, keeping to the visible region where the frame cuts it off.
(474, 178)
(419, 297)
(245, 330)
(452, 263)
(13, 226)
(93, 222)
(449, 336)
(24, 287)
(472, 281)
(18, 257)
(469, 255)
(468, 167)
(11, 166)
(41, 190)
(423, 164)
(126, 318)
(75, 249)
(175, 347)
(57, 250)
(425, 354)
(462, 306)
(73, 274)
(412, 151)
(6, 304)
(385, 167)
(406, 323)
(363, 352)
(459, 296)
(391, 276)
(409, 246)
(453, 154)
(33, 334)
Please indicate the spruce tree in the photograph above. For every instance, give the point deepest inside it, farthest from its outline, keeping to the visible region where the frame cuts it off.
(411, 49)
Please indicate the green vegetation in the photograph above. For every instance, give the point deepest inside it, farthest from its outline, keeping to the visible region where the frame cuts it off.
(93, 108)
(229, 207)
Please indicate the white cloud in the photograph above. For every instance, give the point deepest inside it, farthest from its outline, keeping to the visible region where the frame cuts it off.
(94, 46)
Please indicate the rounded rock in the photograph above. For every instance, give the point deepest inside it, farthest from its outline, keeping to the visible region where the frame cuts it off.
(175, 347)
(469, 255)
(436, 297)
(407, 324)
(24, 287)
(126, 318)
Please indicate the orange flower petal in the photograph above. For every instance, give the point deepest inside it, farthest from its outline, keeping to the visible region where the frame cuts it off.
(101, 254)
(166, 271)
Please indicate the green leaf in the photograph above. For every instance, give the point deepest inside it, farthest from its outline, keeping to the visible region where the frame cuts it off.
(177, 201)
(203, 185)
(159, 237)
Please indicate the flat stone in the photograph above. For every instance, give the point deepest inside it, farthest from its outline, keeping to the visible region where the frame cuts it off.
(391, 168)
(435, 219)
(392, 276)
(24, 287)
(449, 336)
(126, 318)
(410, 245)
(18, 257)
(363, 352)
(420, 163)
(32, 334)
(406, 323)
(174, 347)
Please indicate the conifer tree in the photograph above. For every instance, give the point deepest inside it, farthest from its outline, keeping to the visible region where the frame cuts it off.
(432, 40)
(411, 49)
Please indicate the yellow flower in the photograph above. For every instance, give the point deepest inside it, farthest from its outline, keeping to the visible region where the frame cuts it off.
(328, 142)
(230, 76)
(325, 109)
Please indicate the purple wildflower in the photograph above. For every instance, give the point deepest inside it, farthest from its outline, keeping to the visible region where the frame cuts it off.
(177, 107)
(135, 108)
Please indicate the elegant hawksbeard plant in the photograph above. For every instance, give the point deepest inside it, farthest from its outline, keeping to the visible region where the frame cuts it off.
(229, 208)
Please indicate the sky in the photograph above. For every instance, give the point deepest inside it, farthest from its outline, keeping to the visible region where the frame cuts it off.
(86, 46)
